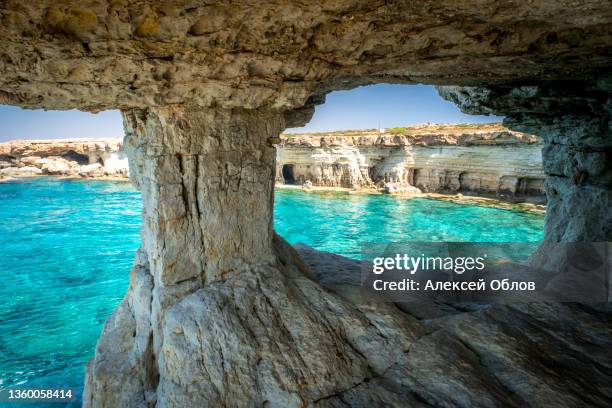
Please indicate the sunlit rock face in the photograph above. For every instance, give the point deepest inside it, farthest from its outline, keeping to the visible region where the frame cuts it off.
(76, 157)
(478, 160)
(117, 54)
(219, 311)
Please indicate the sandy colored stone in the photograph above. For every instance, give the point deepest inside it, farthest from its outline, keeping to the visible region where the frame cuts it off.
(575, 123)
(105, 54)
(219, 312)
(485, 160)
(70, 157)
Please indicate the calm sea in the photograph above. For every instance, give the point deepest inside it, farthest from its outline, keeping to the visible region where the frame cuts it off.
(66, 248)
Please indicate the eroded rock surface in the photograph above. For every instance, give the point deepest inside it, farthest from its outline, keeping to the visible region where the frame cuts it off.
(216, 314)
(220, 312)
(207, 182)
(536, 354)
(119, 54)
(484, 160)
(575, 122)
(295, 334)
(84, 157)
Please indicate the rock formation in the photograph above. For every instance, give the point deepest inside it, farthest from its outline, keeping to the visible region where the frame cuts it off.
(575, 121)
(219, 311)
(475, 160)
(84, 158)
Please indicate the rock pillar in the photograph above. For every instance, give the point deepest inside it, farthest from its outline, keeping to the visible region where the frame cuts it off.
(207, 179)
(220, 311)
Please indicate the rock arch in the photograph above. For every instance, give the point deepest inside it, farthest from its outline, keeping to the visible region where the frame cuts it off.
(220, 311)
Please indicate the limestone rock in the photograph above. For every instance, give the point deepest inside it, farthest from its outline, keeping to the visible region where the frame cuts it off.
(494, 355)
(91, 170)
(401, 188)
(273, 336)
(26, 161)
(476, 160)
(219, 311)
(233, 318)
(76, 157)
(21, 171)
(575, 122)
(283, 55)
(307, 186)
(55, 165)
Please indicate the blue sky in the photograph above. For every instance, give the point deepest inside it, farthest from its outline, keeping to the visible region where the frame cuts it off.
(389, 105)
(20, 123)
(361, 108)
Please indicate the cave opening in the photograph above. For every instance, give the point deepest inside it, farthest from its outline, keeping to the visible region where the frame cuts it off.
(288, 174)
(79, 158)
(408, 139)
(205, 92)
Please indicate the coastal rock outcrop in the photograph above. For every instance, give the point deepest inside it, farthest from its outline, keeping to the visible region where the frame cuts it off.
(219, 311)
(401, 188)
(84, 158)
(487, 160)
(575, 122)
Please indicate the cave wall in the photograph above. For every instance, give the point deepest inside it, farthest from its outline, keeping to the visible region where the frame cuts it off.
(575, 121)
(219, 310)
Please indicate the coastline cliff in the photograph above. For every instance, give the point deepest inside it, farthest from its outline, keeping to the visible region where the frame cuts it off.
(485, 160)
(482, 160)
(91, 158)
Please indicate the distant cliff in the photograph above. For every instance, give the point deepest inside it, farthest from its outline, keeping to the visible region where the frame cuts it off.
(483, 160)
(75, 157)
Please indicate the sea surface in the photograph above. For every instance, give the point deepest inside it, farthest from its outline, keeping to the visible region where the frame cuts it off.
(66, 248)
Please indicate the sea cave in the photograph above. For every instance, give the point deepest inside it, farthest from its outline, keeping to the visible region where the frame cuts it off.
(221, 310)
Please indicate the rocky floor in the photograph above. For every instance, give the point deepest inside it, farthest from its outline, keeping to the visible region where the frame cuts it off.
(537, 354)
(298, 333)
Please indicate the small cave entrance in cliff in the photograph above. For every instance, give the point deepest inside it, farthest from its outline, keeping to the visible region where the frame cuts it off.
(288, 174)
(79, 158)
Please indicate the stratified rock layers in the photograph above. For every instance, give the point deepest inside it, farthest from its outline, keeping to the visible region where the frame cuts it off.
(76, 157)
(499, 163)
(575, 122)
(216, 314)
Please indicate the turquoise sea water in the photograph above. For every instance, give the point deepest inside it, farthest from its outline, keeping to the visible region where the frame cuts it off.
(66, 247)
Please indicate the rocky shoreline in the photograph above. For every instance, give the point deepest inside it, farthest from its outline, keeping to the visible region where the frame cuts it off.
(485, 160)
(87, 158)
(457, 198)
